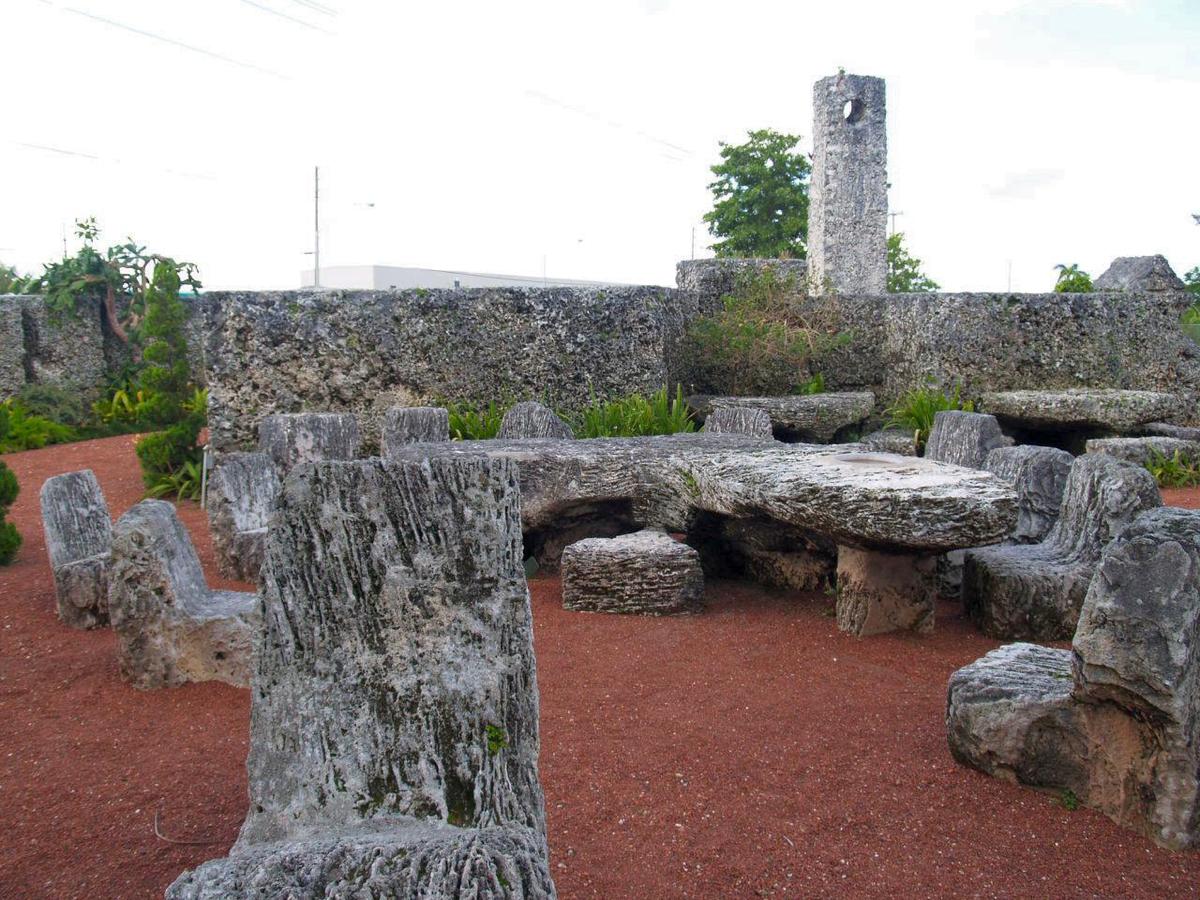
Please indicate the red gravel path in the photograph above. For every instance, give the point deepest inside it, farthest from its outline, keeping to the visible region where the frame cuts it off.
(751, 751)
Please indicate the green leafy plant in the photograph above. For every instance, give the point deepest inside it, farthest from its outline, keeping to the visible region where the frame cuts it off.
(497, 740)
(10, 538)
(120, 277)
(25, 431)
(1072, 280)
(914, 410)
(760, 197)
(764, 338)
(1190, 320)
(1173, 471)
(904, 275)
(1068, 801)
(1192, 280)
(54, 403)
(10, 280)
(814, 385)
(170, 458)
(184, 483)
(472, 423)
(635, 415)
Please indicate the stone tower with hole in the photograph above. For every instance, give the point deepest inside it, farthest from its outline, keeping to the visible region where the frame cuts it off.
(847, 219)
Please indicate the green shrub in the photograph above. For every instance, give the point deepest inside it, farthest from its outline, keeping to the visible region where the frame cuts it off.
(635, 416)
(1190, 322)
(1173, 471)
(166, 457)
(54, 403)
(764, 340)
(10, 538)
(914, 411)
(470, 423)
(24, 431)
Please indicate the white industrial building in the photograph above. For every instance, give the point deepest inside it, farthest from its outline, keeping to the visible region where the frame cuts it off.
(400, 277)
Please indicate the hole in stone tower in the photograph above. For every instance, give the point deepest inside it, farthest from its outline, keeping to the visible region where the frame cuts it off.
(853, 111)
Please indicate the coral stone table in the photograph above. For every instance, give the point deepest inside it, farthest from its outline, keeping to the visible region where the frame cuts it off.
(890, 516)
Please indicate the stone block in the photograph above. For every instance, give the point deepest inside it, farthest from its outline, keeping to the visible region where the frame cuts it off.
(647, 573)
(242, 490)
(1139, 273)
(294, 438)
(413, 425)
(78, 532)
(964, 438)
(738, 420)
(531, 419)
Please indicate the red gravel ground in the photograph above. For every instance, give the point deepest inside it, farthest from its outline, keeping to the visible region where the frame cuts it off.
(752, 751)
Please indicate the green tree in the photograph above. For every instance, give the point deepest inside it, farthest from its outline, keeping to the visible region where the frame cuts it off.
(1072, 280)
(10, 280)
(760, 198)
(1192, 280)
(120, 277)
(904, 270)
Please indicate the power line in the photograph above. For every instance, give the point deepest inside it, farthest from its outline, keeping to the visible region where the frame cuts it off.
(175, 43)
(46, 148)
(316, 7)
(283, 15)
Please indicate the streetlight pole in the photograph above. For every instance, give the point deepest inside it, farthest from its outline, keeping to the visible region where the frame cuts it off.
(316, 226)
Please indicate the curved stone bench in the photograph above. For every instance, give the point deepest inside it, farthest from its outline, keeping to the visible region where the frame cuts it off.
(242, 491)
(815, 418)
(78, 533)
(171, 627)
(294, 438)
(1035, 591)
(1116, 719)
(647, 572)
(394, 718)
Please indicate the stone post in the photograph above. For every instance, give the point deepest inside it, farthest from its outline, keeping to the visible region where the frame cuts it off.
(847, 218)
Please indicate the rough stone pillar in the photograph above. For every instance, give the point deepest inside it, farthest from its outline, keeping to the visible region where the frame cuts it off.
(848, 203)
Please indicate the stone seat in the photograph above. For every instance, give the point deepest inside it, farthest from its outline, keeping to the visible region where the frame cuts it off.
(531, 419)
(412, 425)
(171, 627)
(801, 418)
(1086, 410)
(1035, 591)
(964, 438)
(294, 438)
(242, 491)
(648, 573)
(1141, 450)
(738, 420)
(1115, 720)
(1039, 475)
(394, 723)
(78, 533)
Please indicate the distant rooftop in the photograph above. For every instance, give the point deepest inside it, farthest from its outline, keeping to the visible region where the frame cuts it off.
(401, 277)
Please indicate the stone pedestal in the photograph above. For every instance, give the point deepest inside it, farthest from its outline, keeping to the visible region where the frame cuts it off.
(880, 591)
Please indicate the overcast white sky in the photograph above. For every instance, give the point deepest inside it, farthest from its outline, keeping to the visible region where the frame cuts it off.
(489, 135)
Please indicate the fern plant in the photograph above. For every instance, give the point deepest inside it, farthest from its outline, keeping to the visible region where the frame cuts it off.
(470, 423)
(914, 411)
(636, 416)
(1173, 471)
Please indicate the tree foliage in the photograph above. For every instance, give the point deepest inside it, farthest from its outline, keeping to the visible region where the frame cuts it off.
(760, 198)
(10, 280)
(1192, 280)
(120, 277)
(1072, 280)
(904, 270)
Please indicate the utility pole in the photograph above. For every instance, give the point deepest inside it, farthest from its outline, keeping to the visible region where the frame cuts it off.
(693, 242)
(316, 226)
(892, 216)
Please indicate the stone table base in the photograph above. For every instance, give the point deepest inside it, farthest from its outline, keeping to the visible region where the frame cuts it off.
(880, 592)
